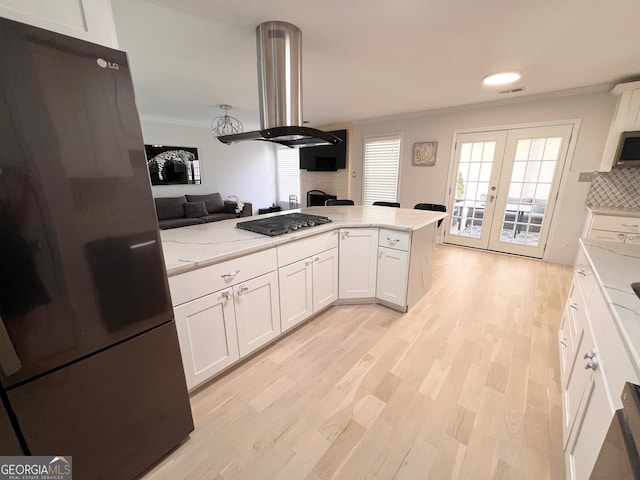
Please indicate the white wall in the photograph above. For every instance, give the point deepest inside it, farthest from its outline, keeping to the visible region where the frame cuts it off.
(246, 169)
(429, 184)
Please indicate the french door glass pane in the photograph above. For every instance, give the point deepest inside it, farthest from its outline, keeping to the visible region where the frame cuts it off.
(472, 188)
(531, 182)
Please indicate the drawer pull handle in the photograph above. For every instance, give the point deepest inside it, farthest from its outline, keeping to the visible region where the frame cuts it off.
(230, 274)
(621, 236)
(243, 289)
(307, 263)
(582, 272)
(563, 342)
(574, 305)
(344, 235)
(393, 240)
(317, 259)
(592, 361)
(634, 225)
(591, 364)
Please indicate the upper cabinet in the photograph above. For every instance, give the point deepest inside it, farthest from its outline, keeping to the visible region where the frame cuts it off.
(626, 118)
(90, 20)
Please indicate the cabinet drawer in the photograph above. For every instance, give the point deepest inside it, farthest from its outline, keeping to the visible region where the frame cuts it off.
(617, 224)
(306, 247)
(607, 236)
(584, 277)
(197, 283)
(633, 239)
(394, 239)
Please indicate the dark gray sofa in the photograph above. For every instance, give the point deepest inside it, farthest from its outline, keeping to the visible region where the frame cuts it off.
(187, 210)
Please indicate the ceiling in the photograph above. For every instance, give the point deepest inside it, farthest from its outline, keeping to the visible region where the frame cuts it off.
(364, 59)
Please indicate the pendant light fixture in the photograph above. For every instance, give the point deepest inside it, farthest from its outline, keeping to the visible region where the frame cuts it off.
(226, 124)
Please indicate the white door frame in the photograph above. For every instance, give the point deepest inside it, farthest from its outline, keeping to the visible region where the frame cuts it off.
(563, 178)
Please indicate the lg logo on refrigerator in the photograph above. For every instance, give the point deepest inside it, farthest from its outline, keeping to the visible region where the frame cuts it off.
(104, 64)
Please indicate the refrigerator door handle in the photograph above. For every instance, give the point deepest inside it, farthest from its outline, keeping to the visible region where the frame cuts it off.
(9, 361)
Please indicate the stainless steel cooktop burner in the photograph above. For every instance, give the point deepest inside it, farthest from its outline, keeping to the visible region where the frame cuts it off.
(281, 224)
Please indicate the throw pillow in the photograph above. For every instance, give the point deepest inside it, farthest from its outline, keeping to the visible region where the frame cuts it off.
(213, 201)
(195, 209)
(168, 208)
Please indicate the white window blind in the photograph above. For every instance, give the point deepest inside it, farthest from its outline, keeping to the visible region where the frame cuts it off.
(381, 162)
(288, 173)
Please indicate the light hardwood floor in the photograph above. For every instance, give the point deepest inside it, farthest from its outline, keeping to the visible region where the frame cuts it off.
(465, 385)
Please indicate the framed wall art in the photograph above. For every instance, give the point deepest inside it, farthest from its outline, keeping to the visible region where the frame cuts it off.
(424, 153)
(173, 165)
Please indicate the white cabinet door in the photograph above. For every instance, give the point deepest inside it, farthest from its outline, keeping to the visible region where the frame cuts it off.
(296, 301)
(207, 335)
(577, 379)
(325, 279)
(90, 20)
(392, 275)
(590, 430)
(358, 262)
(567, 353)
(257, 312)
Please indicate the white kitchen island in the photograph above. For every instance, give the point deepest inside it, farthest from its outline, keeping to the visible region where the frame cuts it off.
(235, 291)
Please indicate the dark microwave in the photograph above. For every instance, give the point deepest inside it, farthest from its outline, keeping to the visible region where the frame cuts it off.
(628, 153)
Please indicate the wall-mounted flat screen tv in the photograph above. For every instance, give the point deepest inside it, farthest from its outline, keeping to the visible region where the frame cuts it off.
(172, 165)
(325, 158)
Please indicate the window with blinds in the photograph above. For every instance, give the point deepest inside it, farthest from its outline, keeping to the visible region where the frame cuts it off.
(288, 174)
(381, 163)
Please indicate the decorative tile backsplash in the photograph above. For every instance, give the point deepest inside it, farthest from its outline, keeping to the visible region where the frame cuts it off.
(619, 188)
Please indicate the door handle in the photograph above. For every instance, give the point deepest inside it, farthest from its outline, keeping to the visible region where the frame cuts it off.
(9, 361)
(243, 289)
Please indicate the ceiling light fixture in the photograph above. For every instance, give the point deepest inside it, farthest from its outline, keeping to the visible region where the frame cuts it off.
(226, 124)
(501, 78)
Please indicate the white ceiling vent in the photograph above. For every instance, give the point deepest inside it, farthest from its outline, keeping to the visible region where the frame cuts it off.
(512, 90)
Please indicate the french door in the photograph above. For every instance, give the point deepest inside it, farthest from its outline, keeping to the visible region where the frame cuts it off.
(504, 188)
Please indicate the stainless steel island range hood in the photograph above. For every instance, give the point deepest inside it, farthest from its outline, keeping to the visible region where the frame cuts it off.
(280, 87)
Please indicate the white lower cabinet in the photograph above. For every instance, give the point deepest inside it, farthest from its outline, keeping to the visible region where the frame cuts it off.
(307, 286)
(296, 294)
(216, 330)
(257, 312)
(612, 228)
(392, 275)
(358, 262)
(594, 366)
(325, 279)
(590, 428)
(207, 335)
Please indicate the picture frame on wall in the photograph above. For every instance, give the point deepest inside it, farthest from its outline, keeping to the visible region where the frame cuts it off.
(424, 153)
(170, 165)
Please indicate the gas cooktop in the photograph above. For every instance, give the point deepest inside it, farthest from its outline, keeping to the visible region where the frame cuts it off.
(281, 224)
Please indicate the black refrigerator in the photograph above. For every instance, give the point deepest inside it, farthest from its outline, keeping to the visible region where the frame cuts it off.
(90, 365)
